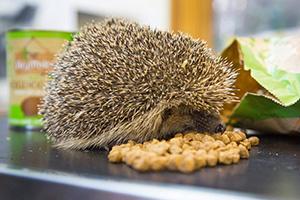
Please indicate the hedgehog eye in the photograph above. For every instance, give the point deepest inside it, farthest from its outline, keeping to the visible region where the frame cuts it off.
(167, 112)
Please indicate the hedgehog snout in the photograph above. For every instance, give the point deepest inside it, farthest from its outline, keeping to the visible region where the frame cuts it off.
(214, 126)
(208, 122)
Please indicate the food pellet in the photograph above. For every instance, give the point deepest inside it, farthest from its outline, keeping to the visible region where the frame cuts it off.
(185, 152)
(246, 143)
(254, 140)
(186, 164)
(244, 153)
(225, 158)
(212, 158)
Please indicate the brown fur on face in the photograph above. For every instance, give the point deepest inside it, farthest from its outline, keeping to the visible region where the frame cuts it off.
(183, 118)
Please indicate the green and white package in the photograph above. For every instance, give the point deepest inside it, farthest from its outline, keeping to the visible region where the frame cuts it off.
(30, 55)
(270, 83)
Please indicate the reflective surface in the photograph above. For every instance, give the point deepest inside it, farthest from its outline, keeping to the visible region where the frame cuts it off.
(273, 169)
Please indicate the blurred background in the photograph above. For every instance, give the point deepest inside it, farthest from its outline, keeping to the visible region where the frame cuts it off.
(215, 21)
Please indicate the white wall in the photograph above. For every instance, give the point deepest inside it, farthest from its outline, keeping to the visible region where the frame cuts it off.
(62, 14)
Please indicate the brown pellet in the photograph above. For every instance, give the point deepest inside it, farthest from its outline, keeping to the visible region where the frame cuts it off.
(158, 162)
(186, 164)
(254, 140)
(246, 143)
(244, 153)
(212, 158)
(115, 156)
(174, 149)
(225, 158)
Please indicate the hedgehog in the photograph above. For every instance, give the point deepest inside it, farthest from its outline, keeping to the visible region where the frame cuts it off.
(118, 81)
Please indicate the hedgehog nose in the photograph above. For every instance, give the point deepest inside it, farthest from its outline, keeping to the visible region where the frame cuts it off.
(220, 128)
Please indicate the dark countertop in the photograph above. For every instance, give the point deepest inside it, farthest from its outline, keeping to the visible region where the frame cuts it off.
(31, 168)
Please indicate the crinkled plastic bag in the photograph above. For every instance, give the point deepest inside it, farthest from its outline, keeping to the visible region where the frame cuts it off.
(268, 83)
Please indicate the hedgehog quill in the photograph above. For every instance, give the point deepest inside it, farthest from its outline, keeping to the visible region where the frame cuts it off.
(119, 81)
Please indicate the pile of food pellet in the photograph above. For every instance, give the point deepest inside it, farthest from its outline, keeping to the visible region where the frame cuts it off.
(185, 153)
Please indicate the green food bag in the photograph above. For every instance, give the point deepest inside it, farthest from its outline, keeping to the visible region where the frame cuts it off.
(269, 83)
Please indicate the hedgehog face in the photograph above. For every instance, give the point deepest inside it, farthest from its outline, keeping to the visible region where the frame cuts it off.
(183, 118)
